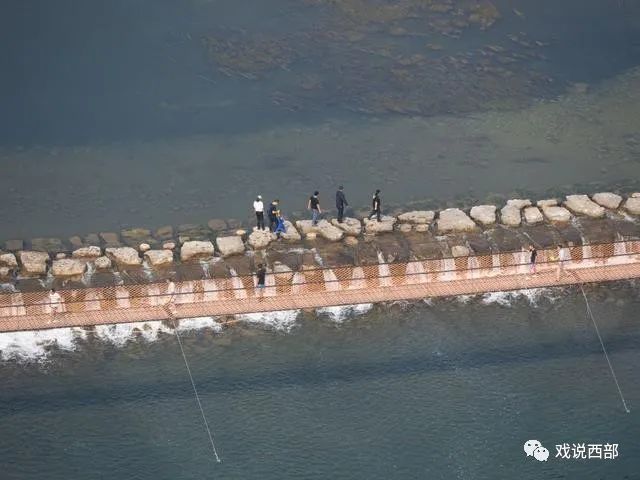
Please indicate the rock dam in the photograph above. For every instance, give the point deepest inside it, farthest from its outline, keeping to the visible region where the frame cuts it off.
(114, 277)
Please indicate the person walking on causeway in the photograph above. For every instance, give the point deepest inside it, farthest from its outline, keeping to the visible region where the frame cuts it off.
(314, 206)
(341, 202)
(258, 206)
(376, 206)
(273, 218)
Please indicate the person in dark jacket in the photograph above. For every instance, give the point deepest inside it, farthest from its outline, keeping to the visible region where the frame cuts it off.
(261, 274)
(341, 202)
(314, 206)
(273, 214)
(376, 206)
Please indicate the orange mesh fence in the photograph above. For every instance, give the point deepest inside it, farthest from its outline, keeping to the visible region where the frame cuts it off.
(315, 287)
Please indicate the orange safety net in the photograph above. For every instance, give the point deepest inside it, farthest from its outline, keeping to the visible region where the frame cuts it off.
(318, 287)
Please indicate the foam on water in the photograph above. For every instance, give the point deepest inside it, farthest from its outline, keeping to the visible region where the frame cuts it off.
(121, 333)
(283, 320)
(341, 313)
(508, 299)
(36, 345)
(199, 323)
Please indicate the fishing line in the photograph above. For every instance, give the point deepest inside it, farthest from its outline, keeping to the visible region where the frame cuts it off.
(195, 391)
(604, 350)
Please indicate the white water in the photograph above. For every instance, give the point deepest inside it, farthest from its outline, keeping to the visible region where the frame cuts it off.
(36, 346)
(282, 321)
(238, 288)
(532, 295)
(341, 313)
(383, 271)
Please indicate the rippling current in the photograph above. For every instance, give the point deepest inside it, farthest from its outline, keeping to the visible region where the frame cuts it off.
(446, 389)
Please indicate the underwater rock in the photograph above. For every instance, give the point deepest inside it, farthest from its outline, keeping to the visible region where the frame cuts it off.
(459, 251)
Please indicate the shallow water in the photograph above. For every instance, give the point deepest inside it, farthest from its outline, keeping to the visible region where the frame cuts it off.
(118, 115)
(444, 389)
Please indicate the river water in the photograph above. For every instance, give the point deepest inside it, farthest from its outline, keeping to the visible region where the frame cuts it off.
(118, 114)
(445, 389)
(160, 112)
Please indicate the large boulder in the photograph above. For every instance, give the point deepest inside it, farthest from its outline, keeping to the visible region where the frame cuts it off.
(533, 215)
(193, 249)
(291, 234)
(582, 204)
(260, 238)
(102, 263)
(8, 260)
(323, 228)
(33, 263)
(232, 245)
(632, 205)
(417, 217)
(87, 252)
(519, 203)
(454, 220)
(125, 256)
(350, 226)
(557, 214)
(159, 258)
(373, 226)
(548, 202)
(484, 214)
(608, 200)
(510, 216)
(68, 267)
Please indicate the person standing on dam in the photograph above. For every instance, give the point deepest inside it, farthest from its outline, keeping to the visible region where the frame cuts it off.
(258, 207)
(273, 215)
(314, 206)
(376, 206)
(341, 202)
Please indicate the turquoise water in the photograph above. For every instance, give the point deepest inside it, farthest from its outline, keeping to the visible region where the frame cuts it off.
(450, 389)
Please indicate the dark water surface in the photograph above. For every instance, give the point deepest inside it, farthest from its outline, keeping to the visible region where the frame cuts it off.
(445, 391)
(153, 112)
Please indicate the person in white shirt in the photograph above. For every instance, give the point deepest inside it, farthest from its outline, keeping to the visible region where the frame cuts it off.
(563, 256)
(55, 303)
(258, 206)
(169, 305)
